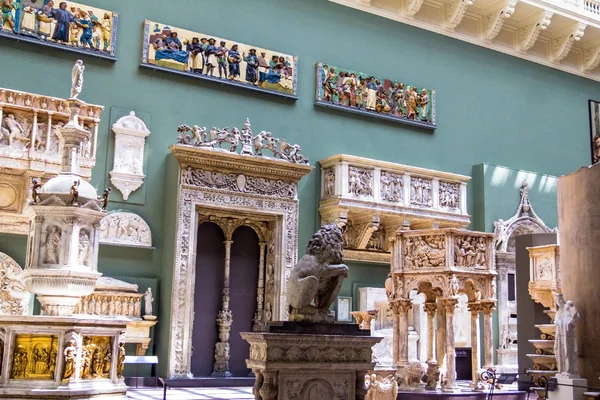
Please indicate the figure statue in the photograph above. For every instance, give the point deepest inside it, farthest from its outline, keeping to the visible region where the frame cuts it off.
(121, 360)
(52, 245)
(77, 79)
(379, 388)
(565, 342)
(389, 286)
(148, 299)
(499, 232)
(34, 191)
(104, 198)
(84, 244)
(75, 193)
(70, 356)
(106, 361)
(317, 277)
(454, 286)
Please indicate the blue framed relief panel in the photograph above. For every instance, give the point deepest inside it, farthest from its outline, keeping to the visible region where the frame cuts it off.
(211, 58)
(364, 94)
(62, 25)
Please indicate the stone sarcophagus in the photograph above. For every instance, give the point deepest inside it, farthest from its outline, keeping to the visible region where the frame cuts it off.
(31, 143)
(372, 199)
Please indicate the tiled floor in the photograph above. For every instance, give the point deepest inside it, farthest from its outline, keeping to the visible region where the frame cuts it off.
(242, 393)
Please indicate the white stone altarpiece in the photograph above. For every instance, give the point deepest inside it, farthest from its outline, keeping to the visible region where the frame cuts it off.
(58, 355)
(31, 144)
(127, 174)
(525, 221)
(123, 228)
(235, 186)
(372, 199)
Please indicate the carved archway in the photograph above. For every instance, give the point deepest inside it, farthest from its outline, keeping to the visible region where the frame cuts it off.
(244, 187)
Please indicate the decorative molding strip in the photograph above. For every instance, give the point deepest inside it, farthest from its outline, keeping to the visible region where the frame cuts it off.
(39, 26)
(128, 164)
(381, 98)
(198, 55)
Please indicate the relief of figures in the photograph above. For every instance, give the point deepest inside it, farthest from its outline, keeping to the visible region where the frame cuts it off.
(14, 297)
(420, 192)
(73, 25)
(449, 195)
(391, 186)
(329, 184)
(360, 181)
(425, 251)
(125, 228)
(470, 251)
(365, 93)
(215, 58)
(243, 140)
(34, 357)
(16, 131)
(96, 354)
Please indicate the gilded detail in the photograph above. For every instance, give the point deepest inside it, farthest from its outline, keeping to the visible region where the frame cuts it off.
(34, 357)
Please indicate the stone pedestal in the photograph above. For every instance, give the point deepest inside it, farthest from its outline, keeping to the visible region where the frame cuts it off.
(46, 357)
(568, 392)
(309, 366)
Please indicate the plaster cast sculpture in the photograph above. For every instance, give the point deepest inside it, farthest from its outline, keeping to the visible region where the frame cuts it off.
(411, 375)
(14, 298)
(125, 229)
(317, 277)
(127, 174)
(249, 144)
(77, 79)
(148, 299)
(379, 388)
(565, 342)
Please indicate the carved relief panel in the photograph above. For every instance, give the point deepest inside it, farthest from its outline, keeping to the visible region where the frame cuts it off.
(125, 229)
(14, 297)
(392, 187)
(471, 252)
(34, 357)
(449, 195)
(360, 182)
(127, 174)
(421, 192)
(424, 251)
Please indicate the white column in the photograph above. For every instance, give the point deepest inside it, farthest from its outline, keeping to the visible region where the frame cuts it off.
(34, 133)
(475, 309)
(450, 305)
(342, 182)
(49, 134)
(377, 184)
(430, 308)
(488, 353)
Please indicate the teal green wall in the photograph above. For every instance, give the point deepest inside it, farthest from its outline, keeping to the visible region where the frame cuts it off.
(490, 107)
(363, 275)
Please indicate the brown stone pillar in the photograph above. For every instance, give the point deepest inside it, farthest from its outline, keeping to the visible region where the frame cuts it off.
(430, 308)
(440, 335)
(475, 309)
(404, 305)
(450, 304)
(395, 330)
(488, 351)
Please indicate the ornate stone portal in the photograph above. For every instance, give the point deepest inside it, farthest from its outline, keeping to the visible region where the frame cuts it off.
(441, 263)
(524, 221)
(247, 189)
(31, 144)
(372, 199)
(127, 174)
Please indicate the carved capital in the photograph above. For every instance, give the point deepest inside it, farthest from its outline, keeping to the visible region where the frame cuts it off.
(488, 306)
(430, 308)
(401, 306)
(455, 11)
(475, 308)
(591, 58)
(494, 20)
(529, 33)
(449, 304)
(338, 217)
(562, 44)
(365, 232)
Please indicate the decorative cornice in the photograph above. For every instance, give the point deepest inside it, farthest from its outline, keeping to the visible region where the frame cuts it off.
(561, 45)
(227, 162)
(591, 58)
(494, 20)
(529, 33)
(455, 12)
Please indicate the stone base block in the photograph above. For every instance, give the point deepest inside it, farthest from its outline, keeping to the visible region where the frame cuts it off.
(51, 357)
(308, 328)
(309, 366)
(568, 392)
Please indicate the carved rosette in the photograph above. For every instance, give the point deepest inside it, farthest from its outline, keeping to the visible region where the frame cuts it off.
(127, 174)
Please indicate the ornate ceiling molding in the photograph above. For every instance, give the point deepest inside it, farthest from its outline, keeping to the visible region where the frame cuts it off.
(372, 199)
(512, 27)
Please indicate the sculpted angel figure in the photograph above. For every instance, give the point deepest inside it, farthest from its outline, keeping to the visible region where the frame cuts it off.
(77, 79)
(318, 277)
(148, 299)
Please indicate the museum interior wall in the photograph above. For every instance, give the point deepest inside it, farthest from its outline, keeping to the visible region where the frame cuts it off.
(492, 109)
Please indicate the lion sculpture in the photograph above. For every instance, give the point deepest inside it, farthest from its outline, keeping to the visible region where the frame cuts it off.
(317, 278)
(411, 375)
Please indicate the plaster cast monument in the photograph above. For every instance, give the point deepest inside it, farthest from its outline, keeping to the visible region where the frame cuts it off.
(123, 228)
(317, 277)
(148, 299)
(565, 342)
(14, 297)
(127, 174)
(379, 388)
(77, 79)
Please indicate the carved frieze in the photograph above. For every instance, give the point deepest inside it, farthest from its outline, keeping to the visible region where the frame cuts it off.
(125, 229)
(30, 147)
(127, 174)
(420, 192)
(425, 251)
(14, 297)
(449, 195)
(392, 187)
(360, 182)
(471, 252)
